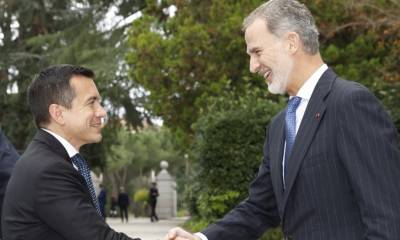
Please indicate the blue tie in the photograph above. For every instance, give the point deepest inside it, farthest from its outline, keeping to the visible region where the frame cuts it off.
(290, 129)
(84, 170)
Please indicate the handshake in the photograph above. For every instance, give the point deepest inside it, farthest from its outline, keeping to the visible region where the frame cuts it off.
(180, 234)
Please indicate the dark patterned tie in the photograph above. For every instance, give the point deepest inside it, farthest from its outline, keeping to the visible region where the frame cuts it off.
(290, 129)
(84, 170)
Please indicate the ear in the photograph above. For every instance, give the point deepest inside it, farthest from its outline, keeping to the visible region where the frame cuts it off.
(56, 114)
(292, 43)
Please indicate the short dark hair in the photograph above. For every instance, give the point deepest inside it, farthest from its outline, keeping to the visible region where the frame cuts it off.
(52, 86)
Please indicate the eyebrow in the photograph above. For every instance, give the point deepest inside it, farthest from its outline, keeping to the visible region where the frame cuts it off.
(252, 50)
(93, 98)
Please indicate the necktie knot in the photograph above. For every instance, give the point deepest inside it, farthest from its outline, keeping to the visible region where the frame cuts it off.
(83, 169)
(79, 162)
(293, 104)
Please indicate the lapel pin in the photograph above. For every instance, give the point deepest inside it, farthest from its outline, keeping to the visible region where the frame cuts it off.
(317, 115)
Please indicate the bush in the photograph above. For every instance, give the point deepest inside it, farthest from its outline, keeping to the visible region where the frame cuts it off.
(273, 234)
(197, 224)
(214, 205)
(140, 200)
(142, 195)
(228, 152)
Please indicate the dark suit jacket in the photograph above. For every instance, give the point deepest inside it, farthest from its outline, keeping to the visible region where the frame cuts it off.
(123, 200)
(343, 176)
(8, 158)
(153, 194)
(47, 199)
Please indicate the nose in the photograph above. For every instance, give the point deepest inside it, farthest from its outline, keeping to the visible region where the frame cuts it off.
(254, 65)
(101, 112)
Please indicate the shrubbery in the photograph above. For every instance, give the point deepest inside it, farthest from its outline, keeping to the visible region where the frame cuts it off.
(140, 200)
(228, 152)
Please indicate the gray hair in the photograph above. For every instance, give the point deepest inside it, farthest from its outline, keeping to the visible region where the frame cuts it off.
(282, 16)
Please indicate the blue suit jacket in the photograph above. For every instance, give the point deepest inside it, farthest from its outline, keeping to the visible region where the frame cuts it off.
(8, 158)
(343, 176)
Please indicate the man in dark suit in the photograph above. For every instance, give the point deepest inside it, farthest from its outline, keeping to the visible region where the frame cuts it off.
(123, 204)
(50, 195)
(331, 158)
(102, 198)
(8, 158)
(153, 195)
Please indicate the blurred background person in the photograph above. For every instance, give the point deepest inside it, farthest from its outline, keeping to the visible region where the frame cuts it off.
(123, 204)
(102, 200)
(113, 206)
(153, 194)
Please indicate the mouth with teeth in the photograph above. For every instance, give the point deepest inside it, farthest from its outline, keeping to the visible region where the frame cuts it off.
(267, 74)
(97, 125)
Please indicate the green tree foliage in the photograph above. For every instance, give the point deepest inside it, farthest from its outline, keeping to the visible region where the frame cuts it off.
(361, 41)
(200, 52)
(228, 152)
(186, 59)
(134, 154)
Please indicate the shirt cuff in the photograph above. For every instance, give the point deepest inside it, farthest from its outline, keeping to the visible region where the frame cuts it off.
(202, 236)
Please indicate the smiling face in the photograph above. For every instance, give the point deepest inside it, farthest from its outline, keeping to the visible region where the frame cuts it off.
(268, 57)
(83, 121)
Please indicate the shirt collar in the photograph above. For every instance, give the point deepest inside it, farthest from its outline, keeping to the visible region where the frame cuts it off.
(68, 147)
(308, 87)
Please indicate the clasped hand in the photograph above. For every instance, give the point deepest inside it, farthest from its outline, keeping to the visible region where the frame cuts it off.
(180, 234)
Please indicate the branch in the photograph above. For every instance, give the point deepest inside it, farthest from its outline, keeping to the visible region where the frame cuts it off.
(344, 26)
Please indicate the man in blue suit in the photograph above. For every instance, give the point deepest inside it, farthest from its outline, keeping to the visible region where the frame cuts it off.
(8, 158)
(331, 162)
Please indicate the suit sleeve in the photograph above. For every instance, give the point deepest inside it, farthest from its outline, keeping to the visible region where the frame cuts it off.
(368, 147)
(252, 217)
(62, 203)
(8, 159)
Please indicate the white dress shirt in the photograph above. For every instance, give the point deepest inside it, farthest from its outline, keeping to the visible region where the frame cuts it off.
(68, 147)
(305, 93)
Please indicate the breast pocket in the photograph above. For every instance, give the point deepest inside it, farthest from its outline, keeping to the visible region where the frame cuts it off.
(313, 160)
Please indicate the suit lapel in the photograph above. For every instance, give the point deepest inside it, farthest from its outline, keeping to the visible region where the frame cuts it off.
(52, 143)
(277, 141)
(58, 149)
(308, 127)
